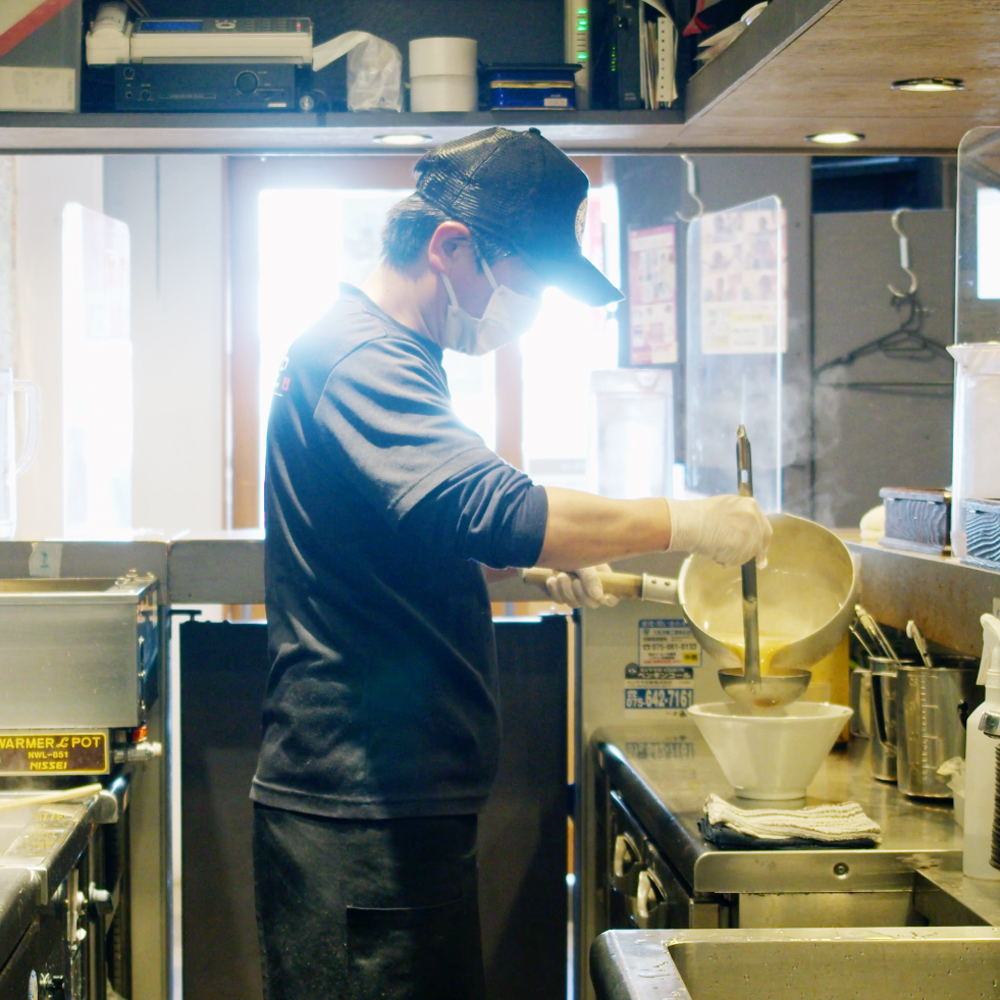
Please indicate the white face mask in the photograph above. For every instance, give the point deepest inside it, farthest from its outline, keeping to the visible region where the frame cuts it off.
(508, 314)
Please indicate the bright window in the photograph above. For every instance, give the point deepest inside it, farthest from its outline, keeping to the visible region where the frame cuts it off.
(568, 342)
(310, 240)
(988, 243)
(97, 392)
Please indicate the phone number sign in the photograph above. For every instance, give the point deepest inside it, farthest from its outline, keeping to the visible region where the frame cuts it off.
(667, 642)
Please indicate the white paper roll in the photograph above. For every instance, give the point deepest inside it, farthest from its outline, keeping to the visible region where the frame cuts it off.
(444, 93)
(442, 57)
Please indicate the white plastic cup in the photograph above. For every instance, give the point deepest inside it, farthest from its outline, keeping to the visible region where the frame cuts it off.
(442, 57)
(444, 93)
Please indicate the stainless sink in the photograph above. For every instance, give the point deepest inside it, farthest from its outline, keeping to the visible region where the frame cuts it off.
(915, 963)
(908, 964)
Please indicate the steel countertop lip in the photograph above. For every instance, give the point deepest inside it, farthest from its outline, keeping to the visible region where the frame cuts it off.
(18, 904)
(665, 771)
(39, 854)
(645, 964)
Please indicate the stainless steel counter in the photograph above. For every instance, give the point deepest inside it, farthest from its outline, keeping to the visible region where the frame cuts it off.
(18, 904)
(941, 593)
(38, 848)
(925, 963)
(665, 772)
(945, 595)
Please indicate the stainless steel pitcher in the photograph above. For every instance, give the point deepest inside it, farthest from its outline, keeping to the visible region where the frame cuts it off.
(861, 702)
(932, 704)
(882, 744)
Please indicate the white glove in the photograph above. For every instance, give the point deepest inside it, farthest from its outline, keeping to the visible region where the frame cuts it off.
(581, 587)
(731, 530)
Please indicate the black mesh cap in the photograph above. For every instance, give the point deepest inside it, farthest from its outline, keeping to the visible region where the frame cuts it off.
(519, 191)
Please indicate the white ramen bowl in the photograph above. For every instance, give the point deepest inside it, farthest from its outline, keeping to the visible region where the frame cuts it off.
(773, 756)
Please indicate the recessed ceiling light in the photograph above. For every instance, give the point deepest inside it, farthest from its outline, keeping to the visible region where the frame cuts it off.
(835, 138)
(403, 139)
(929, 84)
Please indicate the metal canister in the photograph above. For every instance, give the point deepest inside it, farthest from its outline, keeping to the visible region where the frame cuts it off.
(882, 744)
(932, 705)
(861, 702)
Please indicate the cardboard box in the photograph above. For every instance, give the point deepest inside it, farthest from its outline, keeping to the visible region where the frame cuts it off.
(40, 46)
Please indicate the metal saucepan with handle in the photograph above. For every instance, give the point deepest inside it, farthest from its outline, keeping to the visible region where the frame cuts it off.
(806, 596)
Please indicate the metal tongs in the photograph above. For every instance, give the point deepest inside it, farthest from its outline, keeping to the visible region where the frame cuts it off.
(746, 686)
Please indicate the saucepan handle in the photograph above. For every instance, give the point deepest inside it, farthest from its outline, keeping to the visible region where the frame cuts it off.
(616, 584)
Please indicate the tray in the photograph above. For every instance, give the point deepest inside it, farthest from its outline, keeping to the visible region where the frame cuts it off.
(982, 532)
(917, 520)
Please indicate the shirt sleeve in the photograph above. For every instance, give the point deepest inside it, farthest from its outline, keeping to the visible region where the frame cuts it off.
(386, 412)
(491, 513)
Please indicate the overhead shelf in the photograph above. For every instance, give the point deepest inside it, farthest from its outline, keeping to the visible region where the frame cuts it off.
(802, 67)
(810, 66)
(287, 132)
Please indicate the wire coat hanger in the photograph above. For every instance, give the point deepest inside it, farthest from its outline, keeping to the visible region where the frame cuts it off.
(907, 342)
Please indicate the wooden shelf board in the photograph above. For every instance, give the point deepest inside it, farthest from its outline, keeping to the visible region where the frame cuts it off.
(808, 66)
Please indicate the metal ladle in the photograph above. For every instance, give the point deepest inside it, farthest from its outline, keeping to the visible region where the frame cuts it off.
(746, 687)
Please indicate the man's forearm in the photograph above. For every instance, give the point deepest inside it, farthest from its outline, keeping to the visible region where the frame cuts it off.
(584, 529)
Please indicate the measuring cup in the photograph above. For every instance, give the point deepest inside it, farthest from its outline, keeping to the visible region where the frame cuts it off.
(932, 704)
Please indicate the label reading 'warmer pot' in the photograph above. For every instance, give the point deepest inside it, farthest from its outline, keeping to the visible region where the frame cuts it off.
(53, 753)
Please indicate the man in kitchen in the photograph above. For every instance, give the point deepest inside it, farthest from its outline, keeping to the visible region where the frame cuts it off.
(381, 723)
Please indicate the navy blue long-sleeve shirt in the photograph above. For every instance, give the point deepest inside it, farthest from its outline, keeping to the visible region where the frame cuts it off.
(380, 506)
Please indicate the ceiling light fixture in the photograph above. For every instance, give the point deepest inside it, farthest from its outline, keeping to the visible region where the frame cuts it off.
(835, 138)
(403, 139)
(929, 84)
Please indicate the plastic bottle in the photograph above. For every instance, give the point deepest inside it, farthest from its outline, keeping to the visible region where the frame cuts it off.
(980, 763)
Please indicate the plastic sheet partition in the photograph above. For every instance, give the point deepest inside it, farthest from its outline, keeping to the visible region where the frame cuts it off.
(977, 305)
(737, 306)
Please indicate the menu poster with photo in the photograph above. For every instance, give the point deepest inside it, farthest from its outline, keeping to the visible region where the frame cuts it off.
(743, 281)
(652, 296)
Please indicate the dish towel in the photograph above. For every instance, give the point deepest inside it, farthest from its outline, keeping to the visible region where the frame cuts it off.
(842, 825)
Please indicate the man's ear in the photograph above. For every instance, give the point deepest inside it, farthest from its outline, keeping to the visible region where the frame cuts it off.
(444, 244)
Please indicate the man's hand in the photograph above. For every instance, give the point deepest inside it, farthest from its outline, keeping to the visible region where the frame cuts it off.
(731, 530)
(581, 587)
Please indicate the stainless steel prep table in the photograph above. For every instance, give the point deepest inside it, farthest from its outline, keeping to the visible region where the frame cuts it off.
(664, 773)
(38, 856)
(18, 903)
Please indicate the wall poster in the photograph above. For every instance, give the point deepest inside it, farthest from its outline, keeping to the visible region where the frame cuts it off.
(652, 298)
(743, 268)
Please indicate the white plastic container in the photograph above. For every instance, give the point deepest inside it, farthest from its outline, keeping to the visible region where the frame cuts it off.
(631, 443)
(443, 74)
(774, 756)
(975, 455)
(980, 764)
